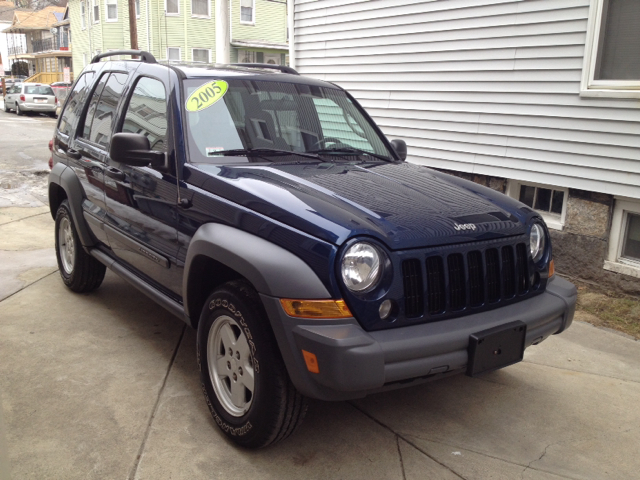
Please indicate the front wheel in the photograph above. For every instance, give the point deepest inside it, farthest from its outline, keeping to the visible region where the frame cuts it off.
(79, 270)
(243, 376)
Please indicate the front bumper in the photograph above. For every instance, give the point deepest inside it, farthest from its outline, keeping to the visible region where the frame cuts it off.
(354, 363)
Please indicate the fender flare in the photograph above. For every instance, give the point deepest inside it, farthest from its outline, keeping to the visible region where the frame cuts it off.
(65, 177)
(271, 269)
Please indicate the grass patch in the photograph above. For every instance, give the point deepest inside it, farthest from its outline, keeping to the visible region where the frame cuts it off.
(612, 310)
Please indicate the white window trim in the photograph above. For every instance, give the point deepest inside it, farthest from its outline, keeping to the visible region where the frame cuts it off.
(614, 261)
(208, 15)
(253, 15)
(208, 54)
(106, 12)
(589, 87)
(552, 220)
(167, 14)
(94, 4)
(179, 53)
(83, 15)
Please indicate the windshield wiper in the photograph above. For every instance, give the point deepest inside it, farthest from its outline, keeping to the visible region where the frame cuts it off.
(262, 152)
(348, 151)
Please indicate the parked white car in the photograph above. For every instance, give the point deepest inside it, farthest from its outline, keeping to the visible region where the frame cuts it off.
(30, 97)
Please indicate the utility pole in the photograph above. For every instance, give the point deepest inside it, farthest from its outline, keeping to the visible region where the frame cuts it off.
(223, 48)
(133, 25)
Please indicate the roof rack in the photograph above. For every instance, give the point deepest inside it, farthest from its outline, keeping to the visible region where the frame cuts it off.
(146, 57)
(282, 68)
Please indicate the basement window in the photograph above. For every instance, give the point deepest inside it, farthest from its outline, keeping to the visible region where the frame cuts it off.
(624, 239)
(550, 202)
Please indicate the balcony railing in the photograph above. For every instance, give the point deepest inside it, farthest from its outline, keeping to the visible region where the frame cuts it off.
(46, 45)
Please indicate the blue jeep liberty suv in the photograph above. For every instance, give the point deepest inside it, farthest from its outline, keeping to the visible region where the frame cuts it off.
(269, 212)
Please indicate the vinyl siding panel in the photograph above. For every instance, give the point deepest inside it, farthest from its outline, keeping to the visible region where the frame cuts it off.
(489, 87)
(270, 22)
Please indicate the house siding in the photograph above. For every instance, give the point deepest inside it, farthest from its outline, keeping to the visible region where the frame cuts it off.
(488, 88)
(270, 22)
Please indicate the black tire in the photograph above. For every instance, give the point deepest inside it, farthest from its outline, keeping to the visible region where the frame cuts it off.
(79, 270)
(18, 111)
(6, 109)
(274, 408)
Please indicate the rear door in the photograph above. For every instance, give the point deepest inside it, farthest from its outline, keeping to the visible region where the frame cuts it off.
(141, 201)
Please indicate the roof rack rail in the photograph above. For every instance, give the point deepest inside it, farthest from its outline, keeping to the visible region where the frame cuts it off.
(282, 68)
(146, 57)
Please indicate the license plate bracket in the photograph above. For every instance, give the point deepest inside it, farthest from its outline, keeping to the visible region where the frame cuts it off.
(496, 348)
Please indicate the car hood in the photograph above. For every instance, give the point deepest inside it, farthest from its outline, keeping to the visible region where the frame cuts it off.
(401, 204)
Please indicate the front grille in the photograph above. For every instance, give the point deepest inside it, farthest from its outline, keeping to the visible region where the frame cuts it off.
(469, 280)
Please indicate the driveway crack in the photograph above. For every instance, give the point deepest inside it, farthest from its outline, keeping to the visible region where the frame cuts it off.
(136, 464)
(404, 475)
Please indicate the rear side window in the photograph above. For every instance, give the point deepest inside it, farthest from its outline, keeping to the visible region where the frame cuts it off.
(102, 108)
(38, 90)
(147, 113)
(74, 106)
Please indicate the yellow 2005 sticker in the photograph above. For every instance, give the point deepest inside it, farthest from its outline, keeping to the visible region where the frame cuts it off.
(206, 95)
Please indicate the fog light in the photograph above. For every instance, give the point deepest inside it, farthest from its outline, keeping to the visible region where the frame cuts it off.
(385, 309)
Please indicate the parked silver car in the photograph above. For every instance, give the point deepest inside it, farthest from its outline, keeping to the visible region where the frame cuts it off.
(30, 97)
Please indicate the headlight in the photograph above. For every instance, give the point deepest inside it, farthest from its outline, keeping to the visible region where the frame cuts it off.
(537, 241)
(361, 267)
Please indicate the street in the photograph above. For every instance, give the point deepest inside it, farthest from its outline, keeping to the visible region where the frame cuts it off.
(105, 385)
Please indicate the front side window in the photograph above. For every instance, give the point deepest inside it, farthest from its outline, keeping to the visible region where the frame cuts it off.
(147, 113)
(172, 7)
(102, 108)
(277, 116)
(73, 106)
(247, 11)
(96, 11)
(112, 10)
(612, 62)
(200, 8)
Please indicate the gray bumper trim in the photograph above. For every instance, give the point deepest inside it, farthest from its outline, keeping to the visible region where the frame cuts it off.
(354, 362)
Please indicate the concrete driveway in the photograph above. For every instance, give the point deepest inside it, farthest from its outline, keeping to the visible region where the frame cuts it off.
(105, 386)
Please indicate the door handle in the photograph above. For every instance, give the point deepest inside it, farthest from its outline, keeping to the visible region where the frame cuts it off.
(114, 173)
(76, 155)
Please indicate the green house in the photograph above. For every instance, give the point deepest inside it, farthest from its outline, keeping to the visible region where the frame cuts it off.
(251, 31)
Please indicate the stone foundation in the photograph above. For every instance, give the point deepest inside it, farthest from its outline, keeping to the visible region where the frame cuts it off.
(580, 249)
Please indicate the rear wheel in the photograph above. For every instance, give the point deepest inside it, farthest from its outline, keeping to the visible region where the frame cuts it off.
(18, 111)
(243, 376)
(79, 270)
(6, 108)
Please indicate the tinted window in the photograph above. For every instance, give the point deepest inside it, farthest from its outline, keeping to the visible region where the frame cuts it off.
(147, 112)
(74, 106)
(38, 90)
(93, 103)
(102, 112)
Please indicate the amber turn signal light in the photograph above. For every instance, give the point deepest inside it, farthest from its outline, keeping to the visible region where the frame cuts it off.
(312, 361)
(315, 308)
(552, 269)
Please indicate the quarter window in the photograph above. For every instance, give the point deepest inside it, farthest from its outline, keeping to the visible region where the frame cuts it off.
(147, 112)
(74, 104)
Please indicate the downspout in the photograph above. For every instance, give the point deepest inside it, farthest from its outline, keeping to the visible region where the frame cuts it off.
(186, 36)
(149, 42)
(292, 47)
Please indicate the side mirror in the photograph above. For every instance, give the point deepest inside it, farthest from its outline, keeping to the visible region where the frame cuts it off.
(134, 149)
(400, 146)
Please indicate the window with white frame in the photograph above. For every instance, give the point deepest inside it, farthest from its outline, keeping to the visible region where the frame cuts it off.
(624, 238)
(201, 55)
(172, 7)
(137, 8)
(112, 10)
(96, 11)
(247, 11)
(612, 63)
(173, 54)
(83, 16)
(550, 202)
(200, 8)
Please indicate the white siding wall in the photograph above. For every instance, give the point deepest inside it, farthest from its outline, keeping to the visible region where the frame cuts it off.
(480, 86)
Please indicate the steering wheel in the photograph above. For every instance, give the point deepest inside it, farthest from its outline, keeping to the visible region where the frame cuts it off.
(323, 142)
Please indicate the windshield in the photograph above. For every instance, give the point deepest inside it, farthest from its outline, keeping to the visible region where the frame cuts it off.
(229, 118)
